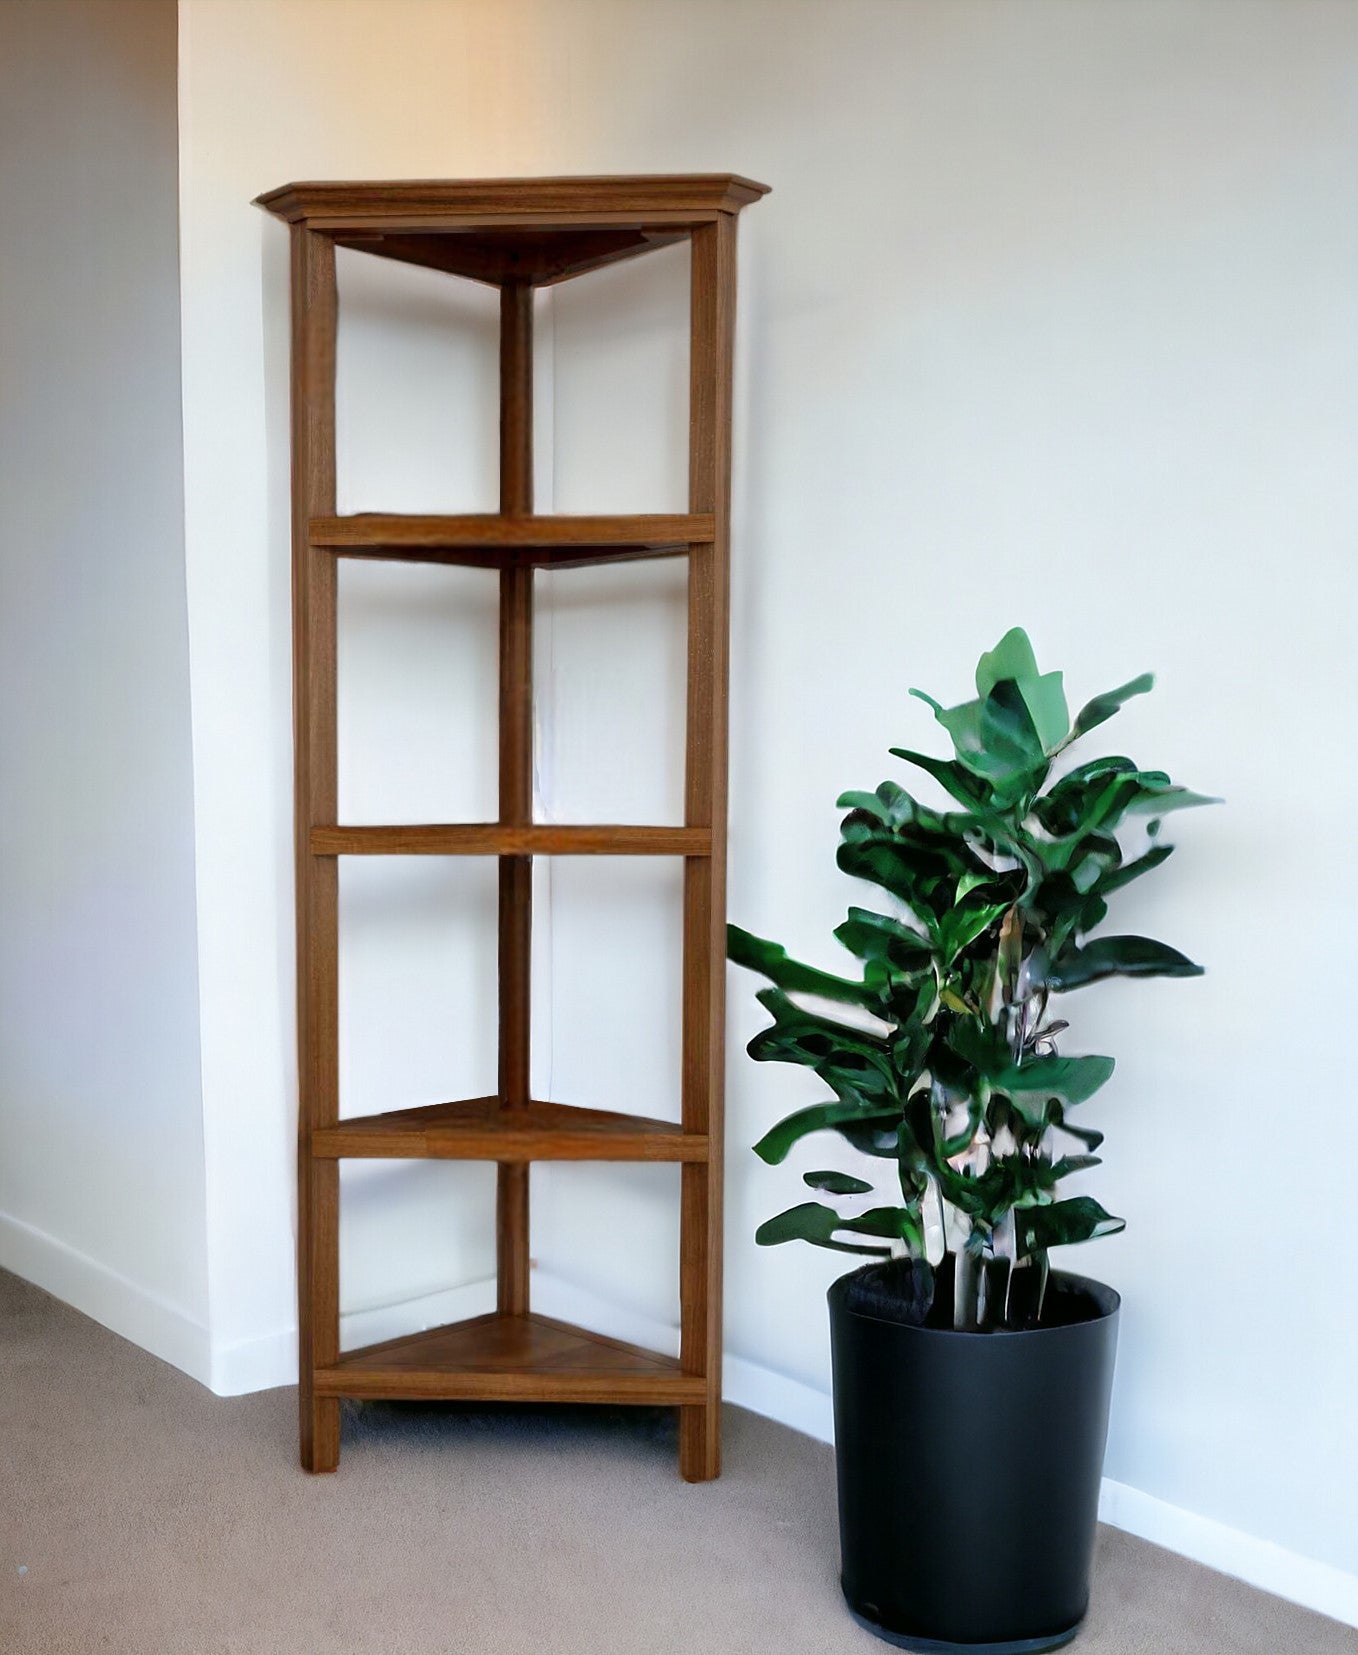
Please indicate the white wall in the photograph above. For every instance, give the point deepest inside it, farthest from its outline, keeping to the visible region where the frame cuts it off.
(1050, 319)
(101, 1156)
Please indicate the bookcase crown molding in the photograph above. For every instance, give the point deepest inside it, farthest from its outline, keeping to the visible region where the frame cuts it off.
(598, 199)
(537, 231)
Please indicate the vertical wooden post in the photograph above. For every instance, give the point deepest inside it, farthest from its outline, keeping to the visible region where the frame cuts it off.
(704, 991)
(516, 781)
(314, 324)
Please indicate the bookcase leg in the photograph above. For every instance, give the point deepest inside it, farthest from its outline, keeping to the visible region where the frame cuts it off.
(320, 1432)
(704, 984)
(516, 784)
(700, 1442)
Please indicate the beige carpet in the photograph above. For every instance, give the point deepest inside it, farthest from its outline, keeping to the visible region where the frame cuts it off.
(143, 1515)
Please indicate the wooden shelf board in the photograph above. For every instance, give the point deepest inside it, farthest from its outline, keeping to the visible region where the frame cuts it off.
(547, 538)
(479, 1129)
(528, 1358)
(493, 839)
(539, 257)
(513, 557)
(565, 203)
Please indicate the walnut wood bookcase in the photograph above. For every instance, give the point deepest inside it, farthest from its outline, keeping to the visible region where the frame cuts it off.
(516, 234)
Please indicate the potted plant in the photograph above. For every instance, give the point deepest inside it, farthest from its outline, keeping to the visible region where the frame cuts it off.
(971, 1380)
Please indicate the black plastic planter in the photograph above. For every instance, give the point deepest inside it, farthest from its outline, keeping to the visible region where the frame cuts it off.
(969, 1469)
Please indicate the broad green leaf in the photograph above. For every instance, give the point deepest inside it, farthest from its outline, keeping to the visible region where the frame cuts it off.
(836, 1183)
(996, 740)
(1159, 801)
(922, 877)
(875, 1135)
(814, 1223)
(949, 774)
(1118, 956)
(900, 1223)
(971, 881)
(1065, 1222)
(878, 937)
(963, 924)
(1102, 707)
(1073, 1163)
(1012, 660)
(1045, 699)
(1129, 871)
(1012, 657)
(982, 1045)
(772, 961)
(890, 804)
(1008, 732)
(1033, 1085)
(773, 1147)
(855, 1063)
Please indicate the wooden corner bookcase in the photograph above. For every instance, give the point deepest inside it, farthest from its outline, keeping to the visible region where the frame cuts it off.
(516, 234)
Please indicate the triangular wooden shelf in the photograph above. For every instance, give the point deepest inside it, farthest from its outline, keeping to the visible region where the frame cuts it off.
(510, 1359)
(482, 1129)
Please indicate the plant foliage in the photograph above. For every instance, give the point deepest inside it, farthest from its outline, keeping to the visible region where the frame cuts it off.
(939, 1051)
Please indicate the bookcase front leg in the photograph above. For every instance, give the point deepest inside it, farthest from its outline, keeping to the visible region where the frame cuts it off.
(318, 1236)
(314, 325)
(712, 317)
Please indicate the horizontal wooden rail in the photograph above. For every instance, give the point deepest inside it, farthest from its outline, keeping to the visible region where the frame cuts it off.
(561, 1385)
(492, 839)
(480, 1130)
(503, 530)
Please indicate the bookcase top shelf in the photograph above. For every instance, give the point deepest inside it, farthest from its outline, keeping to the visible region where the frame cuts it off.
(536, 231)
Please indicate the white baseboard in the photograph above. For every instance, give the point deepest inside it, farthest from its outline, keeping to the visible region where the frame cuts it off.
(271, 1360)
(113, 1300)
(1272, 1568)
(259, 1364)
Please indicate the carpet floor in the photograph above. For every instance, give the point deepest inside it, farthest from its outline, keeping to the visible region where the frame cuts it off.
(143, 1516)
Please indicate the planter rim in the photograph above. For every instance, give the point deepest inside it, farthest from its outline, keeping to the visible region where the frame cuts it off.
(1108, 1300)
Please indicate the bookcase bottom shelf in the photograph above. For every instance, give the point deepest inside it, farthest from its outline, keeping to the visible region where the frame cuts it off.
(499, 1358)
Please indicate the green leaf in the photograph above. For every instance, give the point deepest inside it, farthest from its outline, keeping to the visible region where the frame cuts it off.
(855, 1064)
(1102, 707)
(877, 1135)
(836, 1183)
(1045, 699)
(890, 804)
(773, 1147)
(814, 1223)
(1118, 956)
(920, 870)
(1033, 1085)
(882, 937)
(773, 962)
(1065, 1222)
(963, 924)
(1012, 660)
(995, 739)
(1074, 1163)
(1118, 877)
(1009, 733)
(1159, 801)
(949, 774)
(1012, 657)
(900, 1223)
